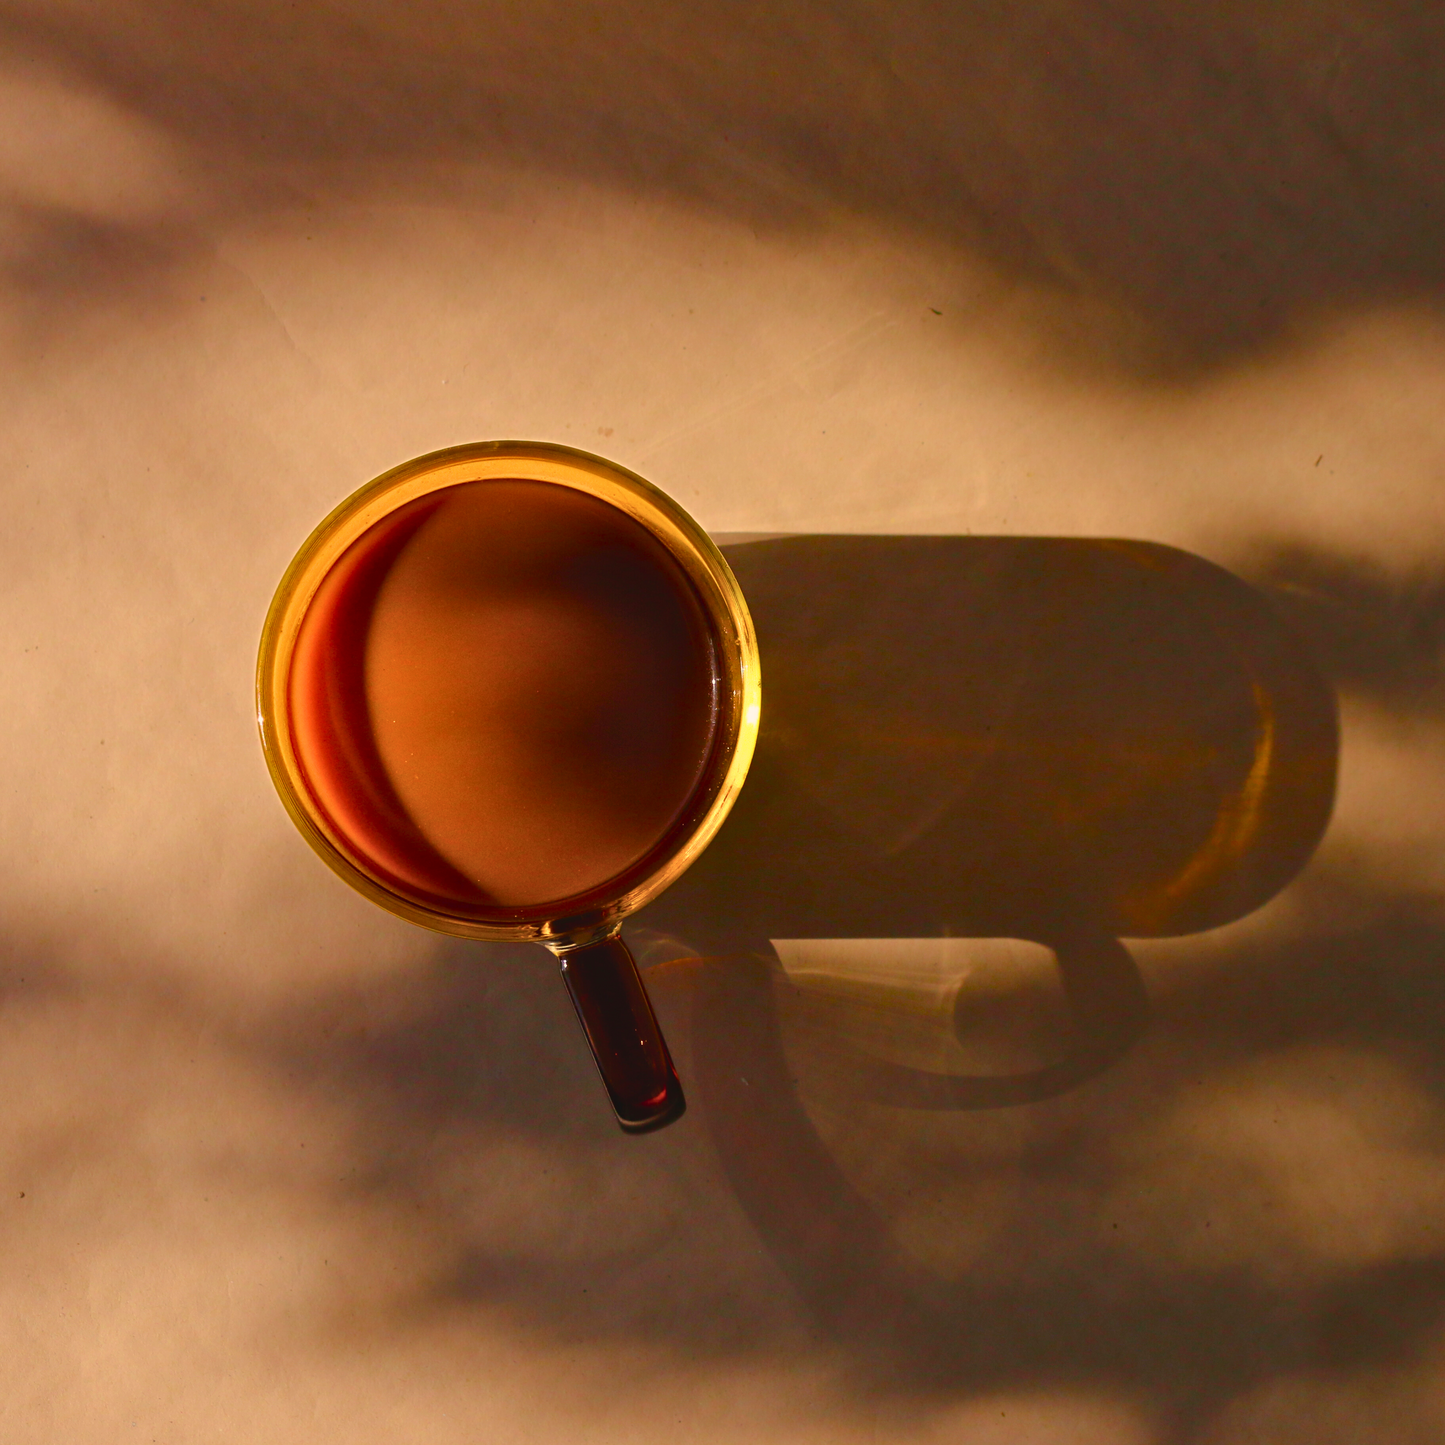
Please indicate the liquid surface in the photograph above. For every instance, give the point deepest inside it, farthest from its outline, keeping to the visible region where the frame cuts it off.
(504, 696)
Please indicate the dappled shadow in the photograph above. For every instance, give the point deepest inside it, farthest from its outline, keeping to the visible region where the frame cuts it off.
(1151, 1234)
(1180, 185)
(477, 1104)
(1378, 633)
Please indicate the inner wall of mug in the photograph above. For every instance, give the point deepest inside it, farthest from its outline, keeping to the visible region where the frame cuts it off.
(505, 701)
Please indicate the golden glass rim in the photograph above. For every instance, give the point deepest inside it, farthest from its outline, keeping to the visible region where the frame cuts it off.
(649, 506)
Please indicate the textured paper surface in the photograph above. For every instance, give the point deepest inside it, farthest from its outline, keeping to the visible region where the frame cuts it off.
(277, 1167)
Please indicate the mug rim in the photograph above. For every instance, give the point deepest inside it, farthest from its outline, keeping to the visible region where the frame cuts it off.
(599, 911)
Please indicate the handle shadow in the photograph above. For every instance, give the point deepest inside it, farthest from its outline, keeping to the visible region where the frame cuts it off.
(1109, 1007)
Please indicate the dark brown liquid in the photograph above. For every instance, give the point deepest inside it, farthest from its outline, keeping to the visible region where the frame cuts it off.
(504, 696)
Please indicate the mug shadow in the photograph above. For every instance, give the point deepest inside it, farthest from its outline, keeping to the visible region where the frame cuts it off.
(1051, 740)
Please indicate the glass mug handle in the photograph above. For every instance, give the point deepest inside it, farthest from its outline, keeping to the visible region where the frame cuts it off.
(622, 1030)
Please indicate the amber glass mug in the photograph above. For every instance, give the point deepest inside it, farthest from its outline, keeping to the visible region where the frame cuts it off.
(509, 691)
